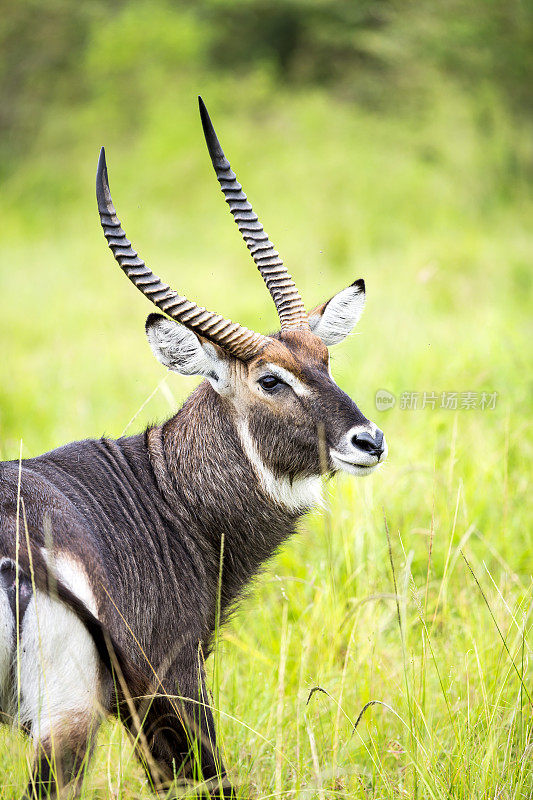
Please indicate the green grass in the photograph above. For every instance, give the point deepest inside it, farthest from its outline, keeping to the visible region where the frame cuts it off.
(433, 211)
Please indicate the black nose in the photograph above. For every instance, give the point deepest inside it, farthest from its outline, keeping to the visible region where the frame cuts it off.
(370, 444)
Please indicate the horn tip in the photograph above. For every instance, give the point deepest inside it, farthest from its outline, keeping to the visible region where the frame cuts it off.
(204, 115)
(102, 184)
(102, 166)
(213, 145)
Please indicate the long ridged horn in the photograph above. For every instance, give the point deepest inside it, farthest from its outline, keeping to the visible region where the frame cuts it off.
(234, 338)
(291, 310)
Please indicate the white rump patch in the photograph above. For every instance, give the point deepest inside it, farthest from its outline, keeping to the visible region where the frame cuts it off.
(59, 663)
(7, 629)
(300, 494)
(180, 350)
(340, 315)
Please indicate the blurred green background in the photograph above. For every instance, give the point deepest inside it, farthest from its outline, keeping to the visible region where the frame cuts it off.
(383, 139)
(377, 139)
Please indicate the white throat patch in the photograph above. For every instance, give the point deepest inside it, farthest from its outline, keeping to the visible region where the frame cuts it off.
(300, 494)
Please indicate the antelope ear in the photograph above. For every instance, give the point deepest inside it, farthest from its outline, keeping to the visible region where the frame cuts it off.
(335, 319)
(181, 350)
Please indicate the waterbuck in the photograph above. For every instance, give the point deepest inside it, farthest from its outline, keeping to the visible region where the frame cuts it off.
(119, 558)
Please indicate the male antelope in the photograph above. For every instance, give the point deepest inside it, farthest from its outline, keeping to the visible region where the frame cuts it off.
(112, 551)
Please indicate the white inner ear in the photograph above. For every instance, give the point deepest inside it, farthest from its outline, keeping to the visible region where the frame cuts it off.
(339, 317)
(180, 350)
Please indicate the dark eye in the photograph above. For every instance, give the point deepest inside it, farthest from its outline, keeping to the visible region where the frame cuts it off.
(269, 382)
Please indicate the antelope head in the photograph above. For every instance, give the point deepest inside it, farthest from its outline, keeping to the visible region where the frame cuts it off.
(293, 420)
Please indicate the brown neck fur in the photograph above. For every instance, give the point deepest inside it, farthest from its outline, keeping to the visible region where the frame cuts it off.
(204, 475)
